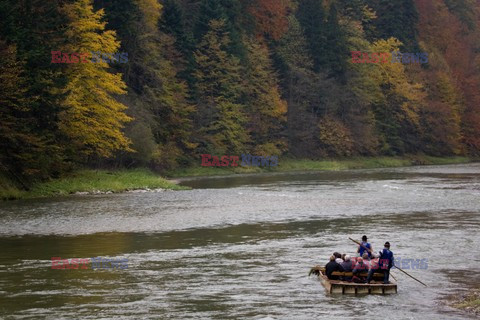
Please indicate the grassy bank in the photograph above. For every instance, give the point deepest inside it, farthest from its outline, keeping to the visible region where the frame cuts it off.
(470, 303)
(8, 190)
(286, 165)
(90, 181)
(95, 181)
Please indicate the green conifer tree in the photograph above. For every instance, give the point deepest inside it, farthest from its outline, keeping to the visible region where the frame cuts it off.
(302, 89)
(220, 119)
(311, 16)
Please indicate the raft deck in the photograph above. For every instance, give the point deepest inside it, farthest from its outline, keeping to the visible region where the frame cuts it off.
(344, 287)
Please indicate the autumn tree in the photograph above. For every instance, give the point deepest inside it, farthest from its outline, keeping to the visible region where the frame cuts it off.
(464, 10)
(335, 138)
(266, 109)
(397, 110)
(351, 100)
(450, 121)
(270, 17)
(92, 119)
(471, 116)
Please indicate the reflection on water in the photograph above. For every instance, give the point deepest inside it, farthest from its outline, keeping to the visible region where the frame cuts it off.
(241, 247)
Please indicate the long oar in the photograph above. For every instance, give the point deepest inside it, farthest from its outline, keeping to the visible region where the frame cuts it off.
(411, 276)
(395, 266)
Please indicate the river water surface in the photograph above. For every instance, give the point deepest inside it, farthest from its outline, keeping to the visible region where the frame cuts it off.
(241, 247)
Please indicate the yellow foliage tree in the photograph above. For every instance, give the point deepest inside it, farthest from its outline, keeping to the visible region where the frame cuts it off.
(399, 104)
(151, 11)
(92, 119)
(265, 107)
(336, 140)
(393, 76)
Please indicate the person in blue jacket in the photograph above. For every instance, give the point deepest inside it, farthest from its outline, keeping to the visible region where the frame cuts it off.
(384, 265)
(366, 244)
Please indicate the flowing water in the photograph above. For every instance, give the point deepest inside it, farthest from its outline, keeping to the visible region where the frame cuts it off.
(241, 247)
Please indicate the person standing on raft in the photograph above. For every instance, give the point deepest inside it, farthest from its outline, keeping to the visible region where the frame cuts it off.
(384, 265)
(361, 249)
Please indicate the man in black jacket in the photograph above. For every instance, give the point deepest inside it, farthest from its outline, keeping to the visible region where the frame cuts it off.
(331, 267)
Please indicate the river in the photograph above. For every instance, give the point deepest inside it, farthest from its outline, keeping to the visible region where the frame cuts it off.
(241, 247)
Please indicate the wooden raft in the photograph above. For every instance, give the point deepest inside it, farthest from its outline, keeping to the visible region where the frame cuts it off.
(344, 287)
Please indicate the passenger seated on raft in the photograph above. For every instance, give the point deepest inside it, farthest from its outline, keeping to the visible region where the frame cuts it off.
(365, 257)
(371, 263)
(331, 267)
(338, 257)
(359, 268)
(366, 261)
(347, 266)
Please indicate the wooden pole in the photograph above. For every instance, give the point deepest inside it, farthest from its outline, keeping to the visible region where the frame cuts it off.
(361, 245)
(411, 276)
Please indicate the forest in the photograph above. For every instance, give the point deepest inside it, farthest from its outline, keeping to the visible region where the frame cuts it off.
(232, 77)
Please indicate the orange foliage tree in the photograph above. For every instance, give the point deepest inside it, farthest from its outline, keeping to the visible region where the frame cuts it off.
(453, 61)
(270, 17)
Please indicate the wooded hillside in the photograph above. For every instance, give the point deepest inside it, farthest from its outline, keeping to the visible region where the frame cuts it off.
(226, 77)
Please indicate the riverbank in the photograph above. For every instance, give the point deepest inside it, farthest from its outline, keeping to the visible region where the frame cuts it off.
(104, 181)
(469, 303)
(287, 165)
(91, 182)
